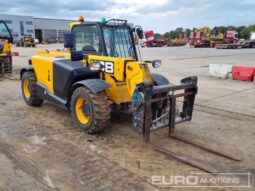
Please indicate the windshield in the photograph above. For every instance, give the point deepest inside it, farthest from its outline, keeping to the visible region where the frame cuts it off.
(4, 32)
(118, 42)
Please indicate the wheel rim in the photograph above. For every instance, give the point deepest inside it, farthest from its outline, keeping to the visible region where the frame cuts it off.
(26, 89)
(82, 110)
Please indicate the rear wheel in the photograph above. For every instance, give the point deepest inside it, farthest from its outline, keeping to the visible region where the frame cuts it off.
(28, 86)
(91, 112)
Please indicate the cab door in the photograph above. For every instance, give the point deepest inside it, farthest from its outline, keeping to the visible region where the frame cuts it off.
(6, 38)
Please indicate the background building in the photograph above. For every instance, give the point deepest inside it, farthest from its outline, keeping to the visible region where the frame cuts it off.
(19, 25)
(39, 28)
(50, 29)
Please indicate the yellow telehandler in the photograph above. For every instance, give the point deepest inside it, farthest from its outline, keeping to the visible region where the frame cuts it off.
(6, 41)
(101, 72)
(26, 41)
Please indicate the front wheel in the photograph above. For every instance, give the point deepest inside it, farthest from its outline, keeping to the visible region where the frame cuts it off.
(28, 86)
(91, 112)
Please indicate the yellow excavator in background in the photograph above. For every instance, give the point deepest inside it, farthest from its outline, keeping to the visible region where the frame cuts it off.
(206, 32)
(202, 37)
(216, 37)
(6, 41)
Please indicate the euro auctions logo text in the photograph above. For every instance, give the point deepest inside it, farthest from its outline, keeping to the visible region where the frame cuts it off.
(175, 180)
(204, 180)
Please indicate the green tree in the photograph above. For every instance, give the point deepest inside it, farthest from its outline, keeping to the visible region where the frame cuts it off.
(231, 28)
(240, 28)
(179, 30)
(173, 34)
(244, 33)
(222, 29)
(157, 36)
(166, 35)
(188, 31)
(251, 28)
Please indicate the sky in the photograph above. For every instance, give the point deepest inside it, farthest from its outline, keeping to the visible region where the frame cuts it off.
(158, 15)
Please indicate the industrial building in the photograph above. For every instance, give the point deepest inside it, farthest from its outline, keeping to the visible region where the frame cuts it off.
(43, 29)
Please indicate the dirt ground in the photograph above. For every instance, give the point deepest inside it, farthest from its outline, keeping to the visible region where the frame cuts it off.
(41, 149)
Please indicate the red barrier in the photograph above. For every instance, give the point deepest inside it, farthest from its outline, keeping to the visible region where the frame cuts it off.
(244, 73)
(15, 53)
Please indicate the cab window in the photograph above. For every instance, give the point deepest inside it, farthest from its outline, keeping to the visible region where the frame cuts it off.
(87, 39)
(4, 31)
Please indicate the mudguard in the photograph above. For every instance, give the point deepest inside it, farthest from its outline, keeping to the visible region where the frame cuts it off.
(160, 79)
(95, 85)
(28, 68)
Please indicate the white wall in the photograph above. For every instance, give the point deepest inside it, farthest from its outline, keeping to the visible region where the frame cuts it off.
(52, 28)
(52, 24)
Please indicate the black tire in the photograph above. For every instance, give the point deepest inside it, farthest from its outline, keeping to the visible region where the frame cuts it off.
(33, 99)
(99, 110)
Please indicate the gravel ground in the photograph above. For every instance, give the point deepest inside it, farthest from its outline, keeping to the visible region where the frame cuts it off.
(41, 149)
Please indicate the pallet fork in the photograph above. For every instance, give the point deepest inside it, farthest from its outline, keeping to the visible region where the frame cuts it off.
(189, 85)
(5, 64)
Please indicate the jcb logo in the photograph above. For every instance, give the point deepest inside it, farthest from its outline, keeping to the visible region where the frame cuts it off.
(108, 67)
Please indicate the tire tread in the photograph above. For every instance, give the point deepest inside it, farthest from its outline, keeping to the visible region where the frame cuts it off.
(102, 109)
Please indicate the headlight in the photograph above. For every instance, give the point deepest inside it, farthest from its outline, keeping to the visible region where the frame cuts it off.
(95, 65)
(156, 63)
(104, 66)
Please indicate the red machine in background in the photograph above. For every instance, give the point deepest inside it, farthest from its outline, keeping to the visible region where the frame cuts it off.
(200, 37)
(151, 41)
(192, 38)
(204, 37)
(231, 37)
(230, 41)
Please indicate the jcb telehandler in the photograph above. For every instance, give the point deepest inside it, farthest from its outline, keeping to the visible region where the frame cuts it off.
(26, 41)
(102, 72)
(6, 41)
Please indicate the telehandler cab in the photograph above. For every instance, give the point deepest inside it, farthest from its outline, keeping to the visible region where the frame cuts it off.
(101, 72)
(6, 41)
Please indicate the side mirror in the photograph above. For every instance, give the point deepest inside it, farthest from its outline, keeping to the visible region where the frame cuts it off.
(69, 41)
(156, 63)
(139, 32)
(76, 55)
